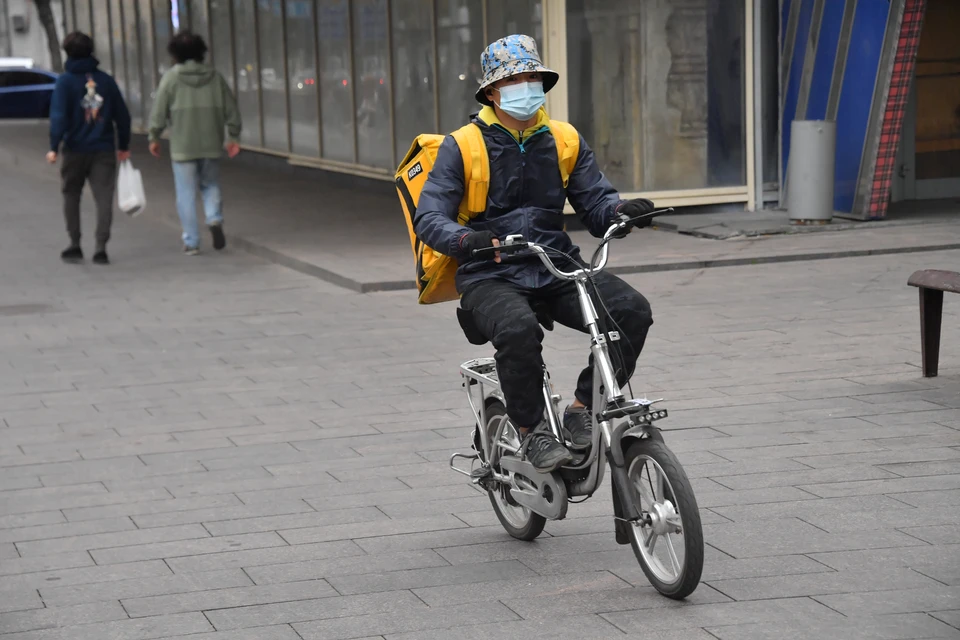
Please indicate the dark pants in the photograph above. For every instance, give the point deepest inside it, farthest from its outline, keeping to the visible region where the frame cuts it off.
(100, 169)
(504, 313)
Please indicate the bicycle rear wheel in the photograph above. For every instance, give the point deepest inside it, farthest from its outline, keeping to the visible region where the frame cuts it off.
(520, 522)
(669, 542)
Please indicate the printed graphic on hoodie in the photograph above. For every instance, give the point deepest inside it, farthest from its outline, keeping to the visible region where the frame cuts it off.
(92, 102)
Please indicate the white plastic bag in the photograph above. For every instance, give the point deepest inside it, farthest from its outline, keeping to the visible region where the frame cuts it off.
(130, 195)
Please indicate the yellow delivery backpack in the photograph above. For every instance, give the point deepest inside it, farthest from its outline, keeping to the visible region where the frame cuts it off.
(436, 271)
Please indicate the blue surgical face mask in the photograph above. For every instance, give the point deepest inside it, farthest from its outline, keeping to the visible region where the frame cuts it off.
(522, 100)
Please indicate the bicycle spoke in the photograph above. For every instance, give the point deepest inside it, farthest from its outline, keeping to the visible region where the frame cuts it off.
(651, 542)
(653, 492)
(642, 490)
(673, 555)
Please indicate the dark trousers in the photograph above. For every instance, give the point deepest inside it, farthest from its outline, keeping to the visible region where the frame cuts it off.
(504, 313)
(100, 169)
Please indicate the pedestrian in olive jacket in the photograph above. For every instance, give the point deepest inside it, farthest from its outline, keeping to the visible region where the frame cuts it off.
(195, 103)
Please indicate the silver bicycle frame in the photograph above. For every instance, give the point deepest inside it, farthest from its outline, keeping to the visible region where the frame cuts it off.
(480, 375)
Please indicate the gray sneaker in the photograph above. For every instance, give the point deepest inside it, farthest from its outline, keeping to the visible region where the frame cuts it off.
(578, 423)
(544, 452)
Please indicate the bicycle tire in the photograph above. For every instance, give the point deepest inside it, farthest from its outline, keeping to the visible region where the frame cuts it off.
(686, 506)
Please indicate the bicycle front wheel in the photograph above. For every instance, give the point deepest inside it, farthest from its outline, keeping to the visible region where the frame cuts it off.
(668, 542)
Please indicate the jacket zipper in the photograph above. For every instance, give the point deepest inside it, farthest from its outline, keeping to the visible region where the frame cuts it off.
(521, 143)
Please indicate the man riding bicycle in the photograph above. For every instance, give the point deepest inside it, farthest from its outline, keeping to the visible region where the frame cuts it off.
(526, 196)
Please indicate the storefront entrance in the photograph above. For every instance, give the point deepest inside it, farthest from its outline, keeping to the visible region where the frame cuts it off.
(928, 160)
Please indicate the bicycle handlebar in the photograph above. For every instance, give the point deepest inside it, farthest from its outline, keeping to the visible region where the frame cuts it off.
(516, 243)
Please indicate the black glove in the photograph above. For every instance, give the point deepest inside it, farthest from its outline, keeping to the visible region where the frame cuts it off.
(476, 240)
(637, 207)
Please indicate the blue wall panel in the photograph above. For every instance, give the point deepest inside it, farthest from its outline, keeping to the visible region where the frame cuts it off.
(827, 41)
(784, 19)
(856, 97)
(792, 91)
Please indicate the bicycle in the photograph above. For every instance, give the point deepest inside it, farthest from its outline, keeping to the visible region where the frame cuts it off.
(652, 496)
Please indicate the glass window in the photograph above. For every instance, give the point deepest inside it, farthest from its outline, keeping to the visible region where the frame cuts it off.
(336, 82)
(162, 28)
(197, 14)
(83, 16)
(132, 48)
(770, 101)
(372, 83)
(221, 51)
(302, 69)
(272, 76)
(116, 46)
(24, 79)
(101, 35)
(145, 30)
(507, 17)
(413, 66)
(656, 89)
(5, 44)
(459, 43)
(248, 71)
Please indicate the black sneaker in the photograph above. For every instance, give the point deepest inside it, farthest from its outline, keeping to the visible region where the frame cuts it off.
(577, 422)
(100, 257)
(544, 452)
(219, 240)
(72, 254)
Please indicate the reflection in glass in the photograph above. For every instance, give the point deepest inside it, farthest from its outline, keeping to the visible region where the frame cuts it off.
(116, 45)
(372, 83)
(83, 16)
(659, 91)
(69, 27)
(196, 18)
(770, 114)
(336, 84)
(459, 43)
(150, 79)
(302, 70)
(132, 47)
(248, 74)
(163, 28)
(412, 71)
(272, 81)
(102, 47)
(221, 53)
(507, 17)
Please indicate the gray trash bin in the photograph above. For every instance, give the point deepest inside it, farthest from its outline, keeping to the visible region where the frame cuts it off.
(810, 173)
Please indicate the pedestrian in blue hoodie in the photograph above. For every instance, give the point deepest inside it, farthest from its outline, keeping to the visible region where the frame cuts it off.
(90, 119)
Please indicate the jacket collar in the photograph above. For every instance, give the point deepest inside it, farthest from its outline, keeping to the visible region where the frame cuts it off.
(489, 117)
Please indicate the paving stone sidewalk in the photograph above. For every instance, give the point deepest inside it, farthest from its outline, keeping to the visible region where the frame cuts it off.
(218, 448)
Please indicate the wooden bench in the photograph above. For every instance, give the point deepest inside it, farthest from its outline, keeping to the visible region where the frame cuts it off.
(932, 284)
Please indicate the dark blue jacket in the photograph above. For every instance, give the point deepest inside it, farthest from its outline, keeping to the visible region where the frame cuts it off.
(86, 105)
(526, 197)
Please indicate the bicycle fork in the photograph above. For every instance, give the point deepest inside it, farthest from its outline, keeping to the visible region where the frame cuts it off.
(606, 391)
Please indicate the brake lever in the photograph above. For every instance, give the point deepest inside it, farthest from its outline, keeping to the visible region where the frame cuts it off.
(652, 214)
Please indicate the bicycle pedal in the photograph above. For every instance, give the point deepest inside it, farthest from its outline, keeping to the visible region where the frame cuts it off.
(480, 474)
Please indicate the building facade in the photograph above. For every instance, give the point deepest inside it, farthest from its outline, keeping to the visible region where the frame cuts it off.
(685, 101)
(664, 90)
(21, 33)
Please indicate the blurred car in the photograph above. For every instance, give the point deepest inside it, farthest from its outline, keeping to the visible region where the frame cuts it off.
(25, 92)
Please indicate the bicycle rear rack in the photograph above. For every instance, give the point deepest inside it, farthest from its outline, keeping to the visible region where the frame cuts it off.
(480, 371)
